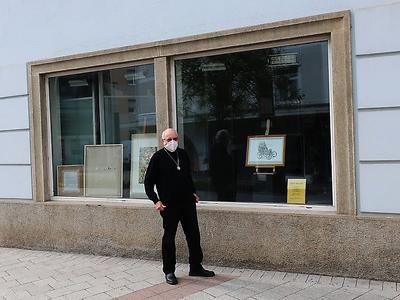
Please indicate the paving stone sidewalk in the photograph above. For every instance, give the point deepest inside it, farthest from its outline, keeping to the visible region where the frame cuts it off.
(27, 274)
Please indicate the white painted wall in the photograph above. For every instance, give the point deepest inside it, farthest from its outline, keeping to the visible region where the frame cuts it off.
(44, 28)
(376, 28)
(15, 182)
(15, 156)
(378, 80)
(15, 148)
(379, 136)
(40, 29)
(379, 185)
(377, 99)
(13, 79)
(14, 113)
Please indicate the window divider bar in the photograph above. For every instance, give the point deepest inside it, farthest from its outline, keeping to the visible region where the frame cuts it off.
(162, 95)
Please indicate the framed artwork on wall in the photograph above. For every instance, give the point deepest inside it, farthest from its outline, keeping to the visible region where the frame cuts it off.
(142, 149)
(265, 151)
(70, 180)
(103, 170)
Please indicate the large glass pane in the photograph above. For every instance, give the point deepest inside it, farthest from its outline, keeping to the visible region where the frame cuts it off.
(129, 109)
(72, 107)
(112, 107)
(223, 99)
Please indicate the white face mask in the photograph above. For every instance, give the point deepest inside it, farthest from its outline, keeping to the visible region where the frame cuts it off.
(171, 146)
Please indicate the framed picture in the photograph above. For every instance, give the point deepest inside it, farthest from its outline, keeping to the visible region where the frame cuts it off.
(70, 180)
(103, 170)
(265, 151)
(142, 149)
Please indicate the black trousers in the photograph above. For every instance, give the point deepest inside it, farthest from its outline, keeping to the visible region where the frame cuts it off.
(187, 215)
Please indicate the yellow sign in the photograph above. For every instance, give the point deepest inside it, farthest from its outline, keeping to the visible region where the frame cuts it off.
(296, 191)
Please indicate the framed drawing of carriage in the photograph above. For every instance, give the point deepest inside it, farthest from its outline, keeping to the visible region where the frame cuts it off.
(266, 151)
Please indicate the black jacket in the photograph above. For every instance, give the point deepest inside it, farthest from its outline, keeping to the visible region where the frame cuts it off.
(174, 186)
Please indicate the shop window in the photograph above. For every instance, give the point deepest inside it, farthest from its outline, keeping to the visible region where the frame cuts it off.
(226, 87)
(223, 99)
(106, 113)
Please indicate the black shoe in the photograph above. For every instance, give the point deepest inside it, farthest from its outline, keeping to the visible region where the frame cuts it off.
(171, 279)
(201, 272)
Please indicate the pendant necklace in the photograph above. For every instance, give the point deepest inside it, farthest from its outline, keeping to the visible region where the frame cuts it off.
(175, 161)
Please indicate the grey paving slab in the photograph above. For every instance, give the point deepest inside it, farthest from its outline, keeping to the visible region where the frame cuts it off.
(268, 295)
(301, 277)
(376, 284)
(362, 283)
(350, 282)
(287, 288)
(261, 286)
(268, 275)
(243, 293)
(257, 274)
(28, 274)
(237, 283)
(389, 285)
(200, 296)
(396, 298)
(316, 291)
(313, 278)
(245, 273)
(345, 293)
(227, 297)
(373, 295)
(220, 290)
(101, 296)
(295, 297)
(325, 279)
(386, 293)
(279, 276)
(337, 281)
(119, 292)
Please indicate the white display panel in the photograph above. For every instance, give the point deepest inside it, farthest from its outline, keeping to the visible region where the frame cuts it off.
(15, 182)
(13, 80)
(15, 147)
(375, 29)
(379, 185)
(378, 135)
(14, 113)
(377, 81)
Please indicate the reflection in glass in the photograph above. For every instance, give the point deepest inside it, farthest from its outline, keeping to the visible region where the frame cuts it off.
(222, 99)
(129, 108)
(105, 107)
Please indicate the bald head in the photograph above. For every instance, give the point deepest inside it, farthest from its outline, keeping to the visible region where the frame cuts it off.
(168, 135)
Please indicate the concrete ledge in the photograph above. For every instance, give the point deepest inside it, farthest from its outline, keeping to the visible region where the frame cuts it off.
(367, 247)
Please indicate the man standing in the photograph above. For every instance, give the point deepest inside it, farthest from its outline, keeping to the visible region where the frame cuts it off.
(169, 170)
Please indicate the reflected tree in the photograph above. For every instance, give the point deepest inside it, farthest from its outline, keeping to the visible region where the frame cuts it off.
(229, 86)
